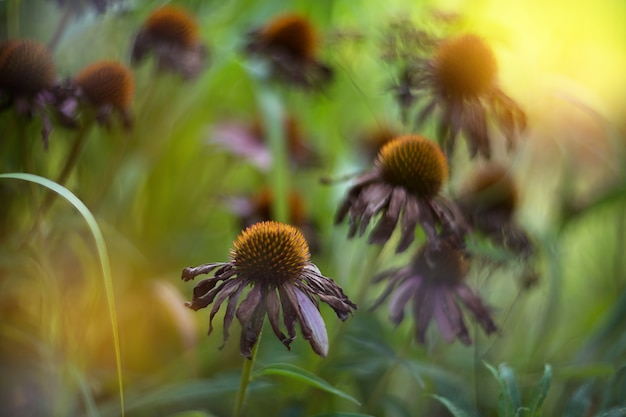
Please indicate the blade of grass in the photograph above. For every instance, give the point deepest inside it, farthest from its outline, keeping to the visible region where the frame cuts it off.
(299, 374)
(452, 408)
(541, 392)
(102, 254)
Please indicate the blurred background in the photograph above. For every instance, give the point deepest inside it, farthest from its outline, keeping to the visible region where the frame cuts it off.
(170, 193)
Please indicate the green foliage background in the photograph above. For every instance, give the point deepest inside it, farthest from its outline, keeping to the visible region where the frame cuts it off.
(158, 195)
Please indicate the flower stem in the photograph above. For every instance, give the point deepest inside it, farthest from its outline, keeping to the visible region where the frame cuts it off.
(70, 162)
(245, 380)
(61, 26)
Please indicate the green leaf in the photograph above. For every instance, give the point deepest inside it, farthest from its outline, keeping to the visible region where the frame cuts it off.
(302, 375)
(454, 410)
(580, 401)
(508, 400)
(541, 392)
(102, 253)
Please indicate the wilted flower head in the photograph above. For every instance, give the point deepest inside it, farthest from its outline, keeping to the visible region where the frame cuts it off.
(461, 81)
(106, 87)
(405, 184)
(290, 44)
(435, 282)
(489, 200)
(27, 76)
(173, 36)
(273, 259)
(250, 141)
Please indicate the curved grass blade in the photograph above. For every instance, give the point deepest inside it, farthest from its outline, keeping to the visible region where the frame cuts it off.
(452, 408)
(614, 412)
(541, 392)
(102, 254)
(299, 374)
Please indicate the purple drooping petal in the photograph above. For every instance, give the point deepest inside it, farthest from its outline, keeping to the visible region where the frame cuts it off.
(311, 323)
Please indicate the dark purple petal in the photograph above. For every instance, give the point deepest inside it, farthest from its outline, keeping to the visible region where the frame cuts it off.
(249, 304)
(409, 221)
(377, 198)
(290, 316)
(227, 290)
(190, 273)
(229, 315)
(423, 307)
(387, 223)
(251, 329)
(272, 305)
(476, 306)
(311, 323)
(449, 317)
(204, 286)
(401, 297)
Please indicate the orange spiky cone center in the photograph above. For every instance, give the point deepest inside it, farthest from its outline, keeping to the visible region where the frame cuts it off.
(107, 83)
(414, 163)
(270, 253)
(26, 67)
(465, 66)
(173, 24)
(293, 35)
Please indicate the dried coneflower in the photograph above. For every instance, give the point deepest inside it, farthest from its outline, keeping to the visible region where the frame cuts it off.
(27, 77)
(172, 35)
(107, 87)
(435, 282)
(405, 184)
(273, 259)
(290, 44)
(489, 200)
(460, 80)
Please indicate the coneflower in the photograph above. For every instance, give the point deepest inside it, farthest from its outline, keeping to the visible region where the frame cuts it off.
(273, 260)
(290, 44)
(489, 200)
(172, 36)
(460, 81)
(27, 78)
(434, 282)
(107, 87)
(404, 185)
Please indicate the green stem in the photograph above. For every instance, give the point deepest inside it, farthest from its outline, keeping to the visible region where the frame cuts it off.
(70, 163)
(245, 380)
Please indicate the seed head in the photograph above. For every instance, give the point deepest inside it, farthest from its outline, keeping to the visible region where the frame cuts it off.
(465, 66)
(107, 83)
(414, 163)
(292, 34)
(491, 188)
(270, 253)
(26, 67)
(173, 24)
